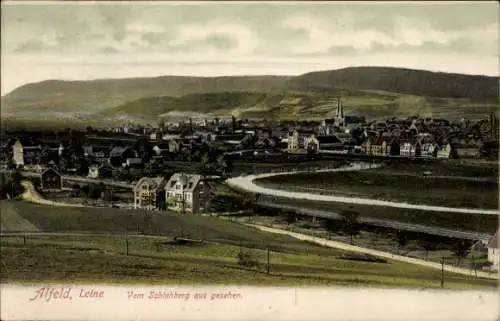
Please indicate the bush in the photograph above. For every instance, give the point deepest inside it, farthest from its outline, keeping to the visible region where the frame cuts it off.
(246, 258)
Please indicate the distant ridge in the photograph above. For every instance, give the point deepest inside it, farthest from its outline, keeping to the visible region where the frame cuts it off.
(377, 91)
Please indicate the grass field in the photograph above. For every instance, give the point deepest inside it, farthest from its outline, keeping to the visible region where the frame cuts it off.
(161, 259)
(398, 182)
(375, 238)
(158, 260)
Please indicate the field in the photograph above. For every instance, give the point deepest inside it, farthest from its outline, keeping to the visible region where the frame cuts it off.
(398, 183)
(78, 256)
(377, 238)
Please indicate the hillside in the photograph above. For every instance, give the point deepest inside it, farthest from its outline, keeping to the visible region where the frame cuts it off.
(400, 80)
(297, 105)
(374, 91)
(98, 95)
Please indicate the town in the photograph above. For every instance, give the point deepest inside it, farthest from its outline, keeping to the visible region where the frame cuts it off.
(203, 149)
(182, 166)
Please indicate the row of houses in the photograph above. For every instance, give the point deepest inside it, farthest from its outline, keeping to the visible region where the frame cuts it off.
(418, 145)
(188, 193)
(182, 192)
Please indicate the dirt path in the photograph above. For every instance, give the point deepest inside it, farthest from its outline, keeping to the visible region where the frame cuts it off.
(387, 255)
(31, 195)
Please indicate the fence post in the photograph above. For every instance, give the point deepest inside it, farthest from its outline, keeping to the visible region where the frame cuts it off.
(442, 272)
(126, 241)
(267, 260)
(474, 264)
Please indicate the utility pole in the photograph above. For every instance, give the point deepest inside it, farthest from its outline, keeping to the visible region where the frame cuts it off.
(267, 260)
(126, 240)
(474, 264)
(442, 272)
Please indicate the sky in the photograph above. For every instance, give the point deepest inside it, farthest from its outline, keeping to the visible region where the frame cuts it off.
(81, 41)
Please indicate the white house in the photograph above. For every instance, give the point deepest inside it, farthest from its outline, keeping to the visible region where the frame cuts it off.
(494, 252)
(93, 172)
(187, 193)
(444, 151)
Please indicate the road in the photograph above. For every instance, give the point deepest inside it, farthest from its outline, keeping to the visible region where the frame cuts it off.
(87, 180)
(30, 194)
(246, 183)
(387, 255)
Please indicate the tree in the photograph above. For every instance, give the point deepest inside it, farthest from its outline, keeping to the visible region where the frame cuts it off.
(221, 165)
(461, 249)
(331, 226)
(81, 166)
(107, 195)
(290, 217)
(205, 164)
(11, 187)
(427, 244)
(95, 191)
(349, 220)
(144, 149)
(402, 239)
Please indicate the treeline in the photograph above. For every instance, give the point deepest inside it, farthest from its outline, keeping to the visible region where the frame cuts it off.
(10, 185)
(410, 81)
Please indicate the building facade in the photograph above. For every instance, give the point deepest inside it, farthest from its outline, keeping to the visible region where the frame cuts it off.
(51, 180)
(494, 252)
(188, 193)
(148, 193)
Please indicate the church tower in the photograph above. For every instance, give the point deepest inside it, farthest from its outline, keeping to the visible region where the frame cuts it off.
(339, 117)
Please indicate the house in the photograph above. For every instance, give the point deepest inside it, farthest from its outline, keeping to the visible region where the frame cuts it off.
(312, 144)
(494, 252)
(443, 151)
(380, 147)
(149, 193)
(188, 193)
(265, 142)
(161, 149)
(51, 180)
(26, 153)
(410, 147)
(293, 141)
(100, 171)
(394, 147)
(331, 142)
(93, 171)
(427, 145)
(133, 162)
(376, 146)
(119, 155)
(174, 146)
(464, 151)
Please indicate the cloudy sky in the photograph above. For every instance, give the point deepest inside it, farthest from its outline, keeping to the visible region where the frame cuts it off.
(86, 41)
